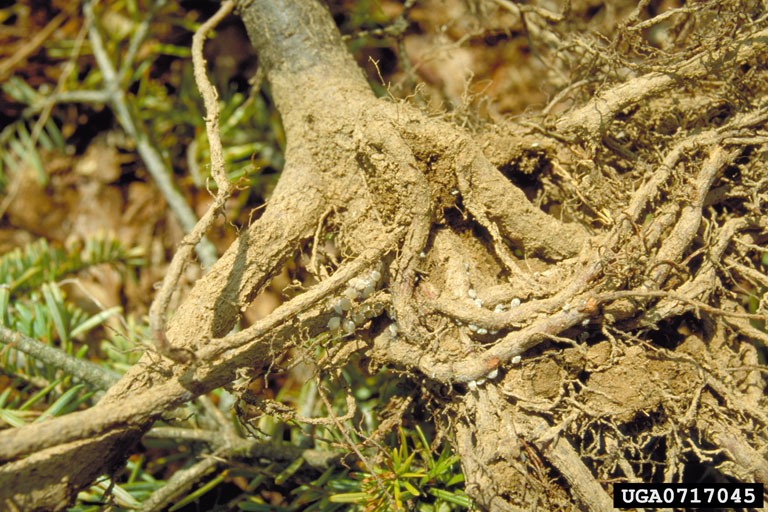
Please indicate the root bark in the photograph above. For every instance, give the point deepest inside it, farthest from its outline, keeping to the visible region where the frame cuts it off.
(419, 199)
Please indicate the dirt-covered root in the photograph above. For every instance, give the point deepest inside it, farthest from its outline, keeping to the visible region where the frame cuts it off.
(748, 462)
(45, 480)
(610, 329)
(506, 454)
(492, 199)
(556, 373)
(559, 374)
(591, 120)
(418, 172)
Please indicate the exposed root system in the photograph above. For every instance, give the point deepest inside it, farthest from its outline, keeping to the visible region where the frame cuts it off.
(609, 326)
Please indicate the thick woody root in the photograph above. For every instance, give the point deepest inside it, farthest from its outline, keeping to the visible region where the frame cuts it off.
(415, 169)
(410, 190)
(216, 300)
(209, 312)
(222, 294)
(563, 306)
(126, 419)
(199, 326)
(506, 452)
(665, 242)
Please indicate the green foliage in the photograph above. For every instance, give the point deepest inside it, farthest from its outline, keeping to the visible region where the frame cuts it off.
(139, 485)
(17, 146)
(170, 109)
(33, 303)
(247, 132)
(412, 477)
(39, 262)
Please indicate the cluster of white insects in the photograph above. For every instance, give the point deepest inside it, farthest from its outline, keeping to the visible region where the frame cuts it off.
(359, 288)
(348, 316)
(498, 308)
(478, 302)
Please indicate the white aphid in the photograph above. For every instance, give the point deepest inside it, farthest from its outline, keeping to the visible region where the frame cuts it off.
(393, 330)
(349, 326)
(472, 293)
(515, 302)
(473, 327)
(499, 308)
(566, 306)
(516, 359)
(358, 318)
(494, 332)
(422, 255)
(482, 330)
(345, 304)
(334, 323)
(351, 293)
(472, 385)
(455, 192)
(375, 275)
(479, 303)
(493, 374)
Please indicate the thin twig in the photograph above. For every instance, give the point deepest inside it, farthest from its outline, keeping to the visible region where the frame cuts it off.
(6, 65)
(608, 297)
(354, 447)
(96, 376)
(314, 265)
(178, 483)
(668, 14)
(159, 308)
(287, 413)
(149, 155)
(517, 9)
(252, 448)
(561, 96)
(77, 96)
(226, 428)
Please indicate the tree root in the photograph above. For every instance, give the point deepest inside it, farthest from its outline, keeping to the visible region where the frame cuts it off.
(405, 193)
